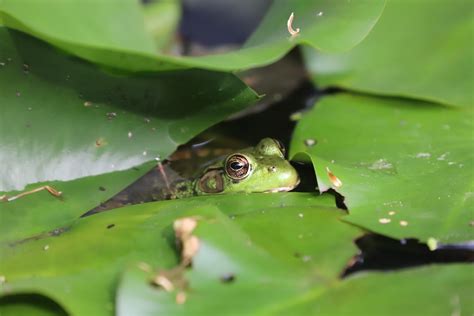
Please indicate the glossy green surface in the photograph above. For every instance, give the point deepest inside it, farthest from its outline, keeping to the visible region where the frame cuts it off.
(84, 263)
(114, 35)
(406, 167)
(64, 119)
(161, 22)
(418, 49)
(28, 305)
(40, 213)
(432, 290)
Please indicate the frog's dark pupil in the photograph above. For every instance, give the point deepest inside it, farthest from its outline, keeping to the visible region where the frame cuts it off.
(236, 165)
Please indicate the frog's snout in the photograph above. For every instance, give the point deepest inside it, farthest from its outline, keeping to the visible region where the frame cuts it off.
(287, 180)
(293, 179)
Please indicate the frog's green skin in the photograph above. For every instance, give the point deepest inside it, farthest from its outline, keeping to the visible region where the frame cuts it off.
(262, 168)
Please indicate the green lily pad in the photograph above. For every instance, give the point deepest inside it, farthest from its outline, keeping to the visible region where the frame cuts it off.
(115, 35)
(161, 21)
(40, 214)
(28, 304)
(406, 167)
(268, 257)
(83, 264)
(434, 290)
(63, 119)
(418, 49)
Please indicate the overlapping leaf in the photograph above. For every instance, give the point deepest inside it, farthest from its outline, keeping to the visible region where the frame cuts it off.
(405, 168)
(113, 34)
(418, 49)
(64, 119)
(435, 290)
(83, 263)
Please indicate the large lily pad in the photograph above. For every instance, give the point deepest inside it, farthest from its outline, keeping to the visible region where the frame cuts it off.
(161, 21)
(406, 168)
(63, 119)
(40, 214)
(418, 49)
(435, 290)
(123, 43)
(83, 263)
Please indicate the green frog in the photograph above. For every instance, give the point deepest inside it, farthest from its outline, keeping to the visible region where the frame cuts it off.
(262, 168)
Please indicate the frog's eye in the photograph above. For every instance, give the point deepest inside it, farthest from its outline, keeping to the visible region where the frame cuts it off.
(237, 167)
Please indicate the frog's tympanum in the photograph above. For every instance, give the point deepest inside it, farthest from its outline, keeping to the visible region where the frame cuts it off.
(262, 168)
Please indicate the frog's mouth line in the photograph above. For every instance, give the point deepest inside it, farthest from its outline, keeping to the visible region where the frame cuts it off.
(283, 189)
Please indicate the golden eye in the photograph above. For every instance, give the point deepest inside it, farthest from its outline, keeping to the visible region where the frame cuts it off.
(237, 167)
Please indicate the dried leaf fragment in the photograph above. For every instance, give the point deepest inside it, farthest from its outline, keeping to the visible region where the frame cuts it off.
(48, 188)
(183, 229)
(190, 249)
(334, 180)
(181, 297)
(99, 142)
(164, 282)
(289, 24)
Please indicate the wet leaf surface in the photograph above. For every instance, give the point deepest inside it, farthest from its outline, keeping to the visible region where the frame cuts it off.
(418, 49)
(324, 24)
(63, 119)
(39, 214)
(84, 262)
(432, 290)
(404, 167)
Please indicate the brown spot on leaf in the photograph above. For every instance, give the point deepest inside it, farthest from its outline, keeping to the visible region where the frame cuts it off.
(334, 180)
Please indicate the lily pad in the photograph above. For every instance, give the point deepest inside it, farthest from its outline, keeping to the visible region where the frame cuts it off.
(114, 35)
(40, 214)
(405, 168)
(64, 119)
(418, 49)
(83, 263)
(434, 290)
(161, 21)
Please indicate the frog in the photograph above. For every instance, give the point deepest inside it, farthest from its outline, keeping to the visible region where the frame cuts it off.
(262, 168)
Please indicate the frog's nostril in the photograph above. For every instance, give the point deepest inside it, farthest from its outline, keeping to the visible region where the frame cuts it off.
(272, 169)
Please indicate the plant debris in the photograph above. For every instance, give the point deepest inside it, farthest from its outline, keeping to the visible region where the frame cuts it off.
(289, 24)
(173, 279)
(51, 190)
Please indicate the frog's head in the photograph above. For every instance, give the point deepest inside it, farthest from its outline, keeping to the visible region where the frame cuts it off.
(262, 168)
